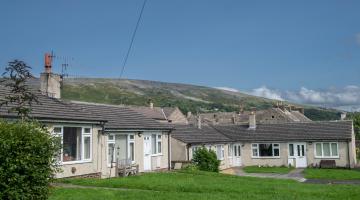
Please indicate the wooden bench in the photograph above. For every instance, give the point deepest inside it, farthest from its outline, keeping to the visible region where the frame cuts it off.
(327, 164)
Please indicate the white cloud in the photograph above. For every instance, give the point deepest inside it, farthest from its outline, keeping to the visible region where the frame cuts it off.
(227, 89)
(347, 98)
(267, 93)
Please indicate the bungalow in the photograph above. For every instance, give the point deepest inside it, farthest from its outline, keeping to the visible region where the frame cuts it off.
(94, 136)
(298, 144)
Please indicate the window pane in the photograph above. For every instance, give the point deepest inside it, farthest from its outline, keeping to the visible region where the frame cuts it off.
(291, 149)
(159, 137)
(131, 137)
(255, 152)
(87, 147)
(71, 144)
(111, 153)
(265, 150)
(132, 153)
(318, 149)
(302, 150)
(86, 130)
(153, 143)
(334, 149)
(276, 152)
(298, 150)
(57, 130)
(111, 137)
(218, 152)
(239, 150)
(159, 147)
(326, 148)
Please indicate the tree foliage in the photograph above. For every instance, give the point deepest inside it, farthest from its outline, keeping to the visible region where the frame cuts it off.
(356, 119)
(206, 160)
(21, 97)
(27, 163)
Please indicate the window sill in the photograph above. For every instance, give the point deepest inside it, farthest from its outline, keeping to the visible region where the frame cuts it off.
(155, 155)
(268, 157)
(76, 162)
(335, 157)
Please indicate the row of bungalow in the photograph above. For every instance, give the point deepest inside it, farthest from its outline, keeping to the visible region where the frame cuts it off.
(101, 140)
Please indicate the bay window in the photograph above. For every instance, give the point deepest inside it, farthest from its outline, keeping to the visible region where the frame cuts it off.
(326, 150)
(265, 150)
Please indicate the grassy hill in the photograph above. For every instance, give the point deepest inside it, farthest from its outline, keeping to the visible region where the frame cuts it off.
(186, 97)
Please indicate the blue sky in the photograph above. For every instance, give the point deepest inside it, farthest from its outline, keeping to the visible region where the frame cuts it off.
(283, 46)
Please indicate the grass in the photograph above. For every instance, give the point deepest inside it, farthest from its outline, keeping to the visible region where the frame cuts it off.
(332, 174)
(201, 185)
(277, 170)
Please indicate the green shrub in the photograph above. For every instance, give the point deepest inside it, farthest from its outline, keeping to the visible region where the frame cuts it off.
(206, 160)
(27, 163)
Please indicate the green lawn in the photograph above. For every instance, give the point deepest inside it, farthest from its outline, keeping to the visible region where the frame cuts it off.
(332, 174)
(257, 169)
(201, 185)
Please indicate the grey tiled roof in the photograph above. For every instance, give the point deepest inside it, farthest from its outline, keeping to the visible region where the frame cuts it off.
(153, 113)
(49, 109)
(304, 131)
(122, 118)
(190, 134)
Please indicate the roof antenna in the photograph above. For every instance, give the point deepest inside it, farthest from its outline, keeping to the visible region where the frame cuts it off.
(132, 39)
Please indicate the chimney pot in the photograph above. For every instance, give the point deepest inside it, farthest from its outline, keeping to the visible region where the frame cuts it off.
(343, 116)
(48, 61)
(199, 122)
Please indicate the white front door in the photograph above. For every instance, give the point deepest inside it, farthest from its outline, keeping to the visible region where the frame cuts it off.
(147, 152)
(297, 155)
(236, 155)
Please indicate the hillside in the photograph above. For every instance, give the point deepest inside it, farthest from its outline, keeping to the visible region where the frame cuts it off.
(186, 97)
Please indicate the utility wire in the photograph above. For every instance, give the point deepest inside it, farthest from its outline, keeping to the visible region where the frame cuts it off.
(132, 39)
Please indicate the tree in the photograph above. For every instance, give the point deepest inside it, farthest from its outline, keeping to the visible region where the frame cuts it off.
(15, 77)
(206, 160)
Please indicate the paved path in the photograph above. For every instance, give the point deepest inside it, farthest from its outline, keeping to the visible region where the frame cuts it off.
(295, 174)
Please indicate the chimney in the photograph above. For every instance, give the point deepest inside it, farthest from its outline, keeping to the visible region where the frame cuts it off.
(189, 114)
(48, 61)
(233, 119)
(343, 115)
(50, 83)
(252, 120)
(199, 122)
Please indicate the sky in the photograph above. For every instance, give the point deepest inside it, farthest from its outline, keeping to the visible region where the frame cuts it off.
(305, 51)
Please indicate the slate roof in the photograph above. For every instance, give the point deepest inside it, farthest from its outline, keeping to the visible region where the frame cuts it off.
(122, 118)
(303, 131)
(49, 109)
(153, 113)
(192, 135)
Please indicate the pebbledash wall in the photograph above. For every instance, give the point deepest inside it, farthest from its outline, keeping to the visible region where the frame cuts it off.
(109, 171)
(247, 159)
(98, 165)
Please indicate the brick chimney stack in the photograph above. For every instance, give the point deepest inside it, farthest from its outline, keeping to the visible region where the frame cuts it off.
(50, 83)
(252, 120)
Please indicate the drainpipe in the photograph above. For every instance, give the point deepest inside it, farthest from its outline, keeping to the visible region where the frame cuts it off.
(348, 147)
(169, 150)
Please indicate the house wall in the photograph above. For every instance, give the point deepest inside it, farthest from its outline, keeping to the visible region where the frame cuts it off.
(177, 117)
(247, 160)
(161, 159)
(178, 150)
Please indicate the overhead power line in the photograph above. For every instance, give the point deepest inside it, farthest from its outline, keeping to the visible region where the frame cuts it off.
(132, 39)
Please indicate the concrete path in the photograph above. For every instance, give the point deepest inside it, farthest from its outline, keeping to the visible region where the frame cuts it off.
(295, 174)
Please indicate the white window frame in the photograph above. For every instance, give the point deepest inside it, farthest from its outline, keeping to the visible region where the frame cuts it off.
(157, 140)
(83, 135)
(220, 151)
(256, 146)
(322, 150)
(107, 150)
(131, 141)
